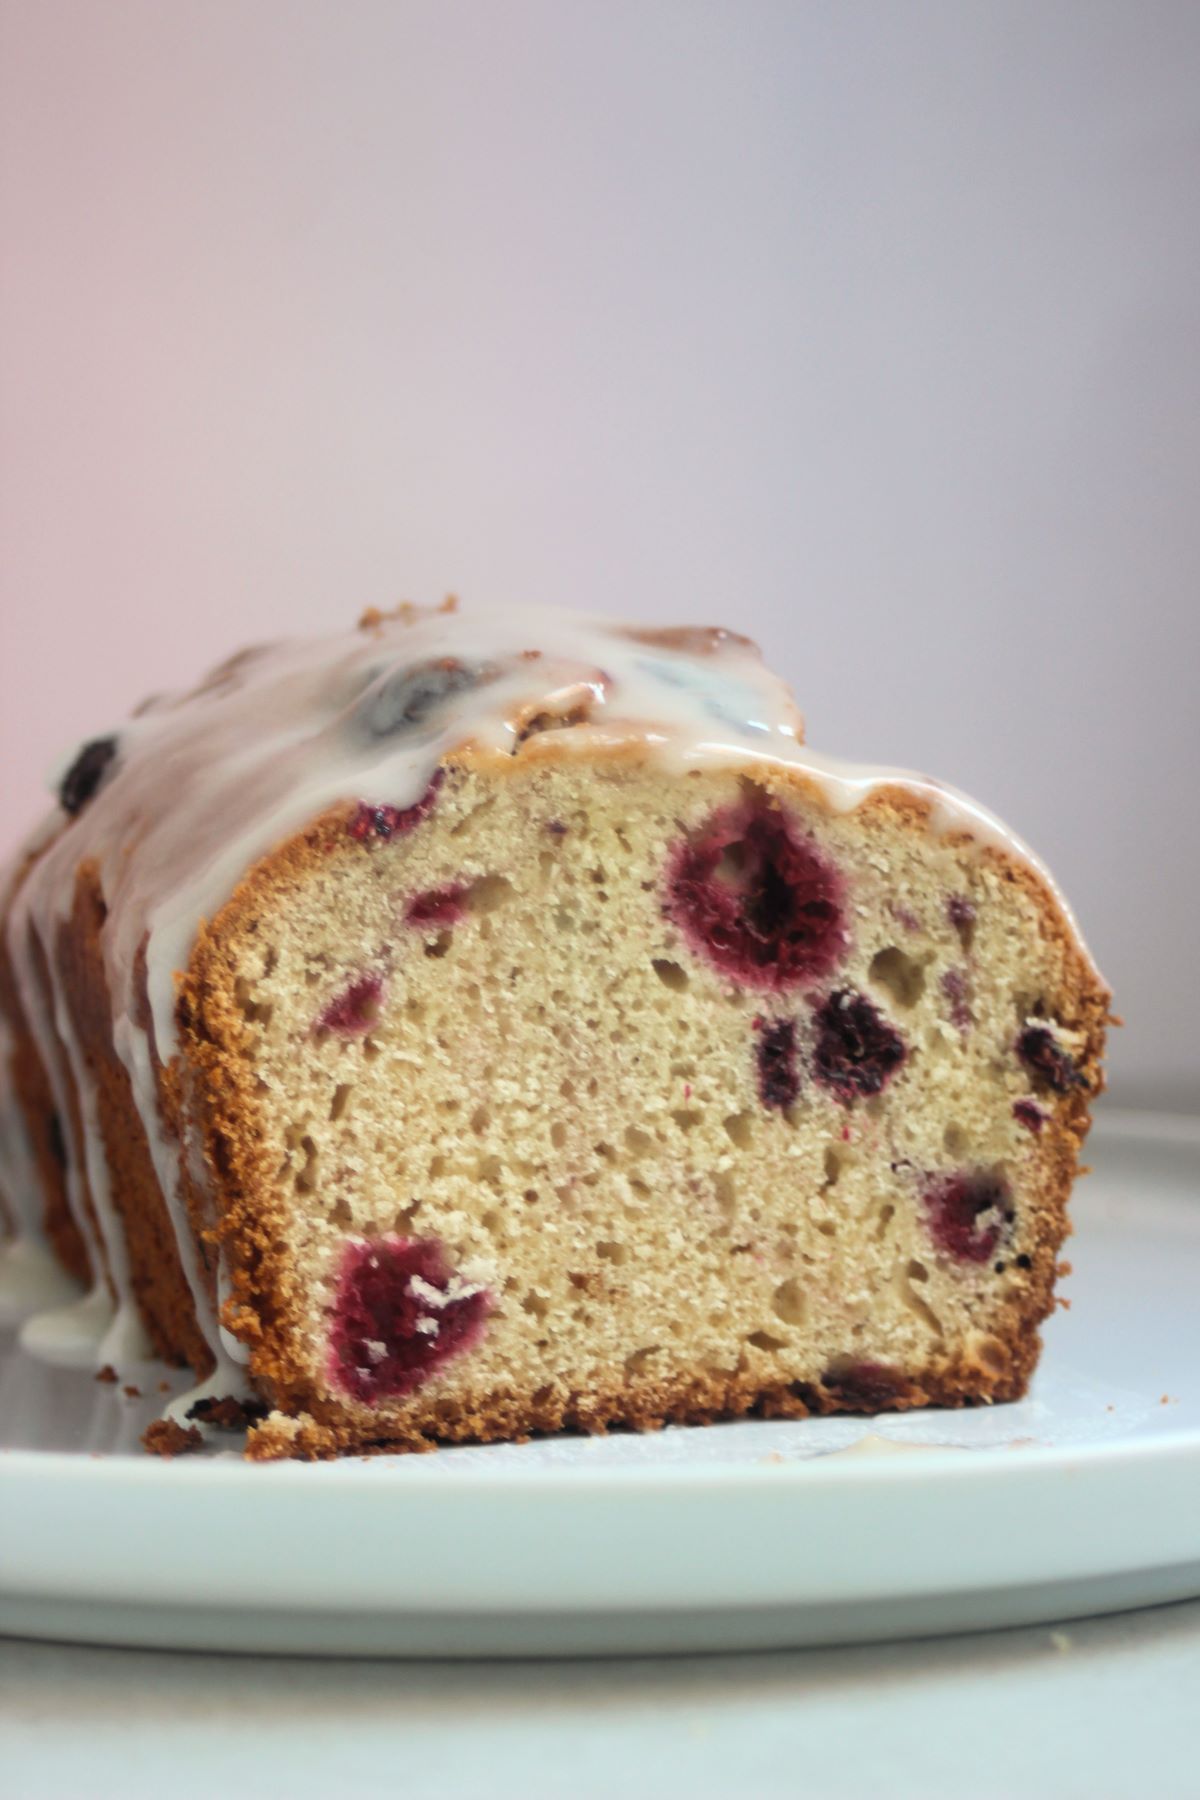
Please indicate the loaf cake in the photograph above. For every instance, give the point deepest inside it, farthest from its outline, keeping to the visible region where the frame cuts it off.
(470, 1026)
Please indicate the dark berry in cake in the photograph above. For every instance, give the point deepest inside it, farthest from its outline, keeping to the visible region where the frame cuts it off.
(778, 1069)
(438, 906)
(393, 821)
(755, 897)
(1047, 1061)
(407, 698)
(400, 1314)
(86, 774)
(857, 1051)
(1029, 1114)
(354, 1012)
(966, 1213)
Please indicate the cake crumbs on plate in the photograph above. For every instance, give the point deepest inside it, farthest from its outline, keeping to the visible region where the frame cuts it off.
(166, 1438)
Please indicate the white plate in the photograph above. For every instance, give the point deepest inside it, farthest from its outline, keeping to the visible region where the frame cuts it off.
(1082, 1498)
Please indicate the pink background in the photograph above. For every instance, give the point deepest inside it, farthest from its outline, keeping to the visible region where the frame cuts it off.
(872, 330)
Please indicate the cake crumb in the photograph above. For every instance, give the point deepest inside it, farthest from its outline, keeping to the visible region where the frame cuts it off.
(166, 1438)
(1062, 1642)
(130, 1392)
(229, 1413)
(107, 1373)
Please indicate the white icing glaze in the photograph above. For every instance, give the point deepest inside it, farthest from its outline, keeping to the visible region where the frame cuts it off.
(205, 785)
(32, 1280)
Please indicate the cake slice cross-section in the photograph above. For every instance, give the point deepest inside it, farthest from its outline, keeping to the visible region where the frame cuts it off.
(472, 1026)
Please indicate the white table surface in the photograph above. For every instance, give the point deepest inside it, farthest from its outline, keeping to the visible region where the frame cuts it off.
(1105, 1707)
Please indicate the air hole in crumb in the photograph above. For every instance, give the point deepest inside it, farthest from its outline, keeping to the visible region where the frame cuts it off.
(558, 1134)
(341, 1214)
(887, 1213)
(992, 1354)
(440, 944)
(686, 1119)
(726, 1194)
(437, 1167)
(670, 973)
(903, 976)
(740, 1127)
(536, 1305)
(762, 1340)
(790, 1303)
(635, 1364)
(481, 1118)
(255, 1012)
(833, 1167)
(827, 1227)
(306, 1179)
(341, 1100)
(955, 1140)
(608, 1250)
(489, 893)
(916, 1304)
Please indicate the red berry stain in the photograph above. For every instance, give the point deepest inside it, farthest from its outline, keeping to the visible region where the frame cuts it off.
(967, 1213)
(756, 897)
(371, 822)
(354, 1012)
(439, 906)
(1047, 1061)
(400, 1314)
(775, 1054)
(1029, 1114)
(857, 1051)
(956, 985)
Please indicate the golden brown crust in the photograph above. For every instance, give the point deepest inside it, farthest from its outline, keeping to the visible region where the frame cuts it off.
(699, 1399)
(159, 1285)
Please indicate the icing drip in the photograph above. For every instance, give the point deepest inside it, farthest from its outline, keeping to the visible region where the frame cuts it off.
(200, 787)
